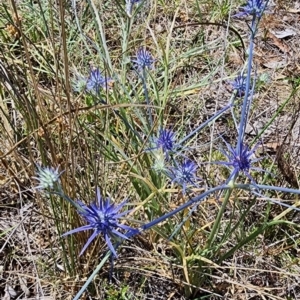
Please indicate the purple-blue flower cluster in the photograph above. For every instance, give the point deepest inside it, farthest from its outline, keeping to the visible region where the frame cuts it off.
(253, 8)
(240, 160)
(184, 173)
(103, 217)
(129, 6)
(166, 140)
(97, 81)
(144, 59)
(239, 85)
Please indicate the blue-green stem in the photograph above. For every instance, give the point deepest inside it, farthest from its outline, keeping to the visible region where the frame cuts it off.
(61, 194)
(204, 195)
(247, 97)
(182, 207)
(250, 187)
(98, 268)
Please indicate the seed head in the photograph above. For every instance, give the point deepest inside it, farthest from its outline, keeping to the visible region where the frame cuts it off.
(79, 84)
(47, 177)
(159, 161)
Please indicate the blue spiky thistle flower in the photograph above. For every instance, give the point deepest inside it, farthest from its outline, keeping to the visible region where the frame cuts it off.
(144, 59)
(162, 146)
(47, 177)
(253, 8)
(239, 84)
(240, 160)
(184, 173)
(165, 140)
(103, 217)
(129, 6)
(97, 81)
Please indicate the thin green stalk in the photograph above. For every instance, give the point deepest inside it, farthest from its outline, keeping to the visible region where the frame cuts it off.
(100, 30)
(217, 223)
(144, 81)
(126, 31)
(252, 236)
(58, 225)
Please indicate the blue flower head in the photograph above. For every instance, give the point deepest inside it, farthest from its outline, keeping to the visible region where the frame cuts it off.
(240, 160)
(96, 81)
(253, 8)
(165, 140)
(239, 84)
(129, 6)
(144, 59)
(102, 217)
(184, 173)
(47, 177)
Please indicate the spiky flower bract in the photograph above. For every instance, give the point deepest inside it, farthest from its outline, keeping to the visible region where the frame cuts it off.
(165, 140)
(184, 173)
(79, 83)
(159, 161)
(144, 59)
(102, 216)
(47, 177)
(253, 8)
(96, 81)
(239, 84)
(240, 160)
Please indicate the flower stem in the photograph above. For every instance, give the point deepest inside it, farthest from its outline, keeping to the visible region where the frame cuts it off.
(246, 102)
